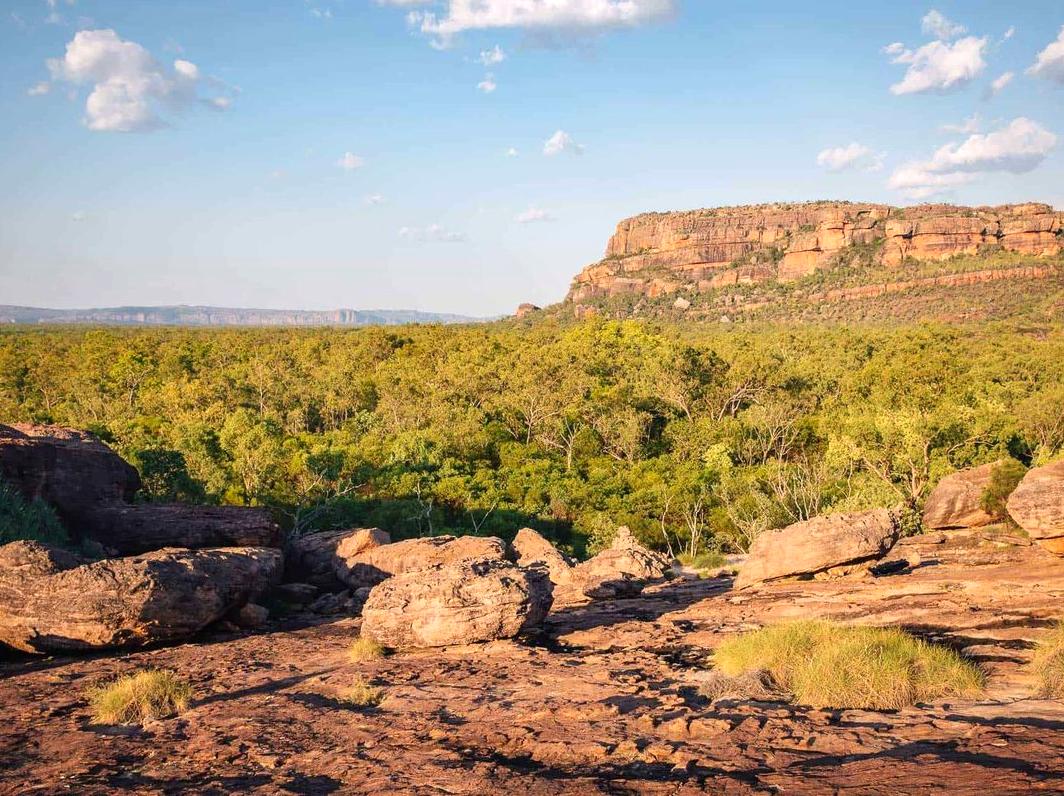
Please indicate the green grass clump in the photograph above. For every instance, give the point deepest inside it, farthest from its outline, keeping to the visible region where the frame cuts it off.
(361, 694)
(829, 665)
(28, 519)
(134, 698)
(711, 559)
(364, 649)
(1048, 664)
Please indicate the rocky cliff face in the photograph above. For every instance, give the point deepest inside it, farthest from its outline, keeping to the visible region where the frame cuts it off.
(656, 254)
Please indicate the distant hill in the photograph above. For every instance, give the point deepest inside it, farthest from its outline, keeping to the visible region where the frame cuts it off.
(226, 316)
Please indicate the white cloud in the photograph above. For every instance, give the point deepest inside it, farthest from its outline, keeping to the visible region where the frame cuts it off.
(1050, 62)
(433, 233)
(493, 56)
(350, 161)
(533, 215)
(940, 66)
(560, 142)
(488, 84)
(129, 86)
(374, 199)
(998, 84)
(851, 157)
(587, 15)
(894, 48)
(970, 125)
(1017, 148)
(39, 89)
(512, 152)
(936, 24)
(1009, 33)
(77, 215)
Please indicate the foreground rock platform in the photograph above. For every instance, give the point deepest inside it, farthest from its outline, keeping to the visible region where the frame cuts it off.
(606, 702)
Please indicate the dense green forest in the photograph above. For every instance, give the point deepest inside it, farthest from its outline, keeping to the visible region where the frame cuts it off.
(696, 437)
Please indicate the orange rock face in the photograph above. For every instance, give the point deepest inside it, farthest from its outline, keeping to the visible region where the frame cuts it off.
(656, 254)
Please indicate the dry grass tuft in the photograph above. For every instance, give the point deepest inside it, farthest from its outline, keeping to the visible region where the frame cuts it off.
(364, 649)
(1048, 664)
(134, 698)
(828, 665)
(361, 694)
(756, 686)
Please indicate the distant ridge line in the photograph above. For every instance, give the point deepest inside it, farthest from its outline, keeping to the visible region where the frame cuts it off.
(200, 315)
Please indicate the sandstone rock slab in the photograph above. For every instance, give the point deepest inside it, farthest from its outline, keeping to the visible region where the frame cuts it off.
(368, 567)
(1037, 506)
(72, 470)
(621, 570)
(957, 500)
(463, 603)
(819, 544)
(312, 558)
(55, 601)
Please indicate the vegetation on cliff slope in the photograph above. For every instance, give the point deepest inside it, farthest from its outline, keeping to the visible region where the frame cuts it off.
(698, 437)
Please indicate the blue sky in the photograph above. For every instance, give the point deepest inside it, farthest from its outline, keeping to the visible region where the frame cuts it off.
(322, 154)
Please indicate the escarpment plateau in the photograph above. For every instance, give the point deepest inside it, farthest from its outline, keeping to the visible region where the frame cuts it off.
(699, 251)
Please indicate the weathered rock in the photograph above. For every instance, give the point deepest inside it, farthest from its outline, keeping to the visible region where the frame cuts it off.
(532, 549)
(819, 544)
(526, 309)
(297, 593)
(72, 470)
(462, 603)
(369, 567)
(313, 557)
(250, 615)
(54, 601)
(139, 528)
(1037, 506)
(622, 570)
(957, 500)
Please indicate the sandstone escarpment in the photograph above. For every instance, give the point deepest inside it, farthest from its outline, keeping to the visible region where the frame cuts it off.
(656, 254)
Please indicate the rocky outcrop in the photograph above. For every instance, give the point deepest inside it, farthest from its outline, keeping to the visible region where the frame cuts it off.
(532, 549)
(1037, 506)
(54, 601)
(129, 529)
(526, 309)
(818, 545)
(313, 557)
(368, 567)
(660, 253)
(462, 603)
(72, 470)
(621, 570)
(957, 500)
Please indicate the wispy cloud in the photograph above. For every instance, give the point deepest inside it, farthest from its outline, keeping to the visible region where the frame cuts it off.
(487, 85)
(350, 161)
(433, 233)
(938, 25)
(493, 56)
(533, 215)
(1049, 63)
(852, 157)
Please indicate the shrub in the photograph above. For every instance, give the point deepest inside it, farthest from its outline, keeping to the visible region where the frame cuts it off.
(364, 649)
(1048, 664)
(28, 519)
(711, 559)
(150, 694)
(361, 694)
(1003, 480)
(828, 665)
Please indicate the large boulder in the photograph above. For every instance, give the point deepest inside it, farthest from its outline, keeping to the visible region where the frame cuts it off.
(533, 550)
(957, 500)
(55, 601)
(312, 558)
(1037, 506)
(621, 570)
(819, 544)
(138, 528)
(368, 567)
(72, 470)
(462, 603)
